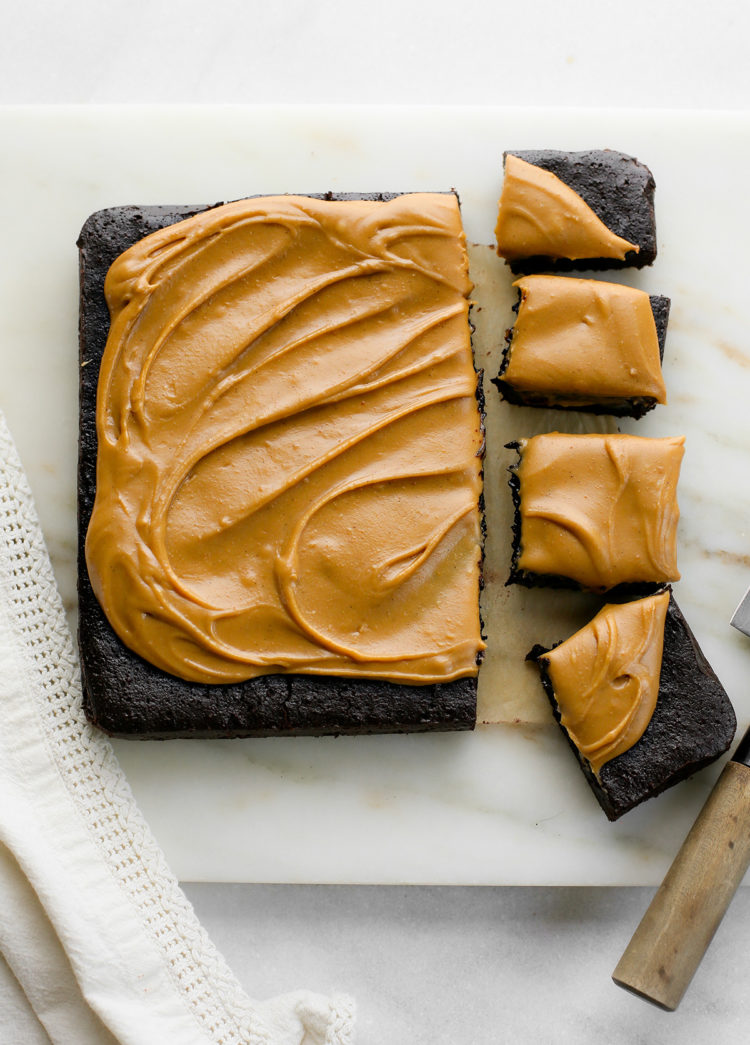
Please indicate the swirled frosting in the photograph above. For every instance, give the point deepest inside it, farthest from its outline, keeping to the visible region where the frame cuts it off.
(584, 340)
(289, 444)
(600, 509)
(605, 678)
(540, 215)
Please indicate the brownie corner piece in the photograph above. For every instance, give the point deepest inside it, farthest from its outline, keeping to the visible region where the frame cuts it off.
(694, 726)
(693, 723)
(617, 188)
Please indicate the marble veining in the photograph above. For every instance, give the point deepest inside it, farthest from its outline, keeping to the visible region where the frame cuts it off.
(508, 803)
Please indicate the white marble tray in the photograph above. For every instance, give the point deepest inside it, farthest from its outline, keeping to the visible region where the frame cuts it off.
(507, 804)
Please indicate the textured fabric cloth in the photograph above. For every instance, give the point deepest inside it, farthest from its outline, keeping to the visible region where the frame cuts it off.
(99, 943)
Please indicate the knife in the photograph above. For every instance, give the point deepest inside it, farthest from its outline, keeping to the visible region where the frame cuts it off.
(668, 945)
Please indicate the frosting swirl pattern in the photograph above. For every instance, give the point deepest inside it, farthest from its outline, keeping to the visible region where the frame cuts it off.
(539, 215)
(289, 458)
(605, 678)
(579, 341)
(600, 509)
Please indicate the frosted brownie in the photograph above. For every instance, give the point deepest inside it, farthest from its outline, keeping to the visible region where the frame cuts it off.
(595, 511)
(575, 210)
(637, 700)
(283, 538)
(584, 344)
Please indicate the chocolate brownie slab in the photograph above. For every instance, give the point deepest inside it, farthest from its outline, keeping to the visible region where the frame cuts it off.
(127, 696)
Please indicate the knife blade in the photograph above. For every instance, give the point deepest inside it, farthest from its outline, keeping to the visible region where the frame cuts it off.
(741, 617)
(668, 945)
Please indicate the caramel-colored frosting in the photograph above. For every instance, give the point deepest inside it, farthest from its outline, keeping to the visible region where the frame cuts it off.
(583, 340)
(540, 215)
(290, 445)
(605, 678)
(600, 509)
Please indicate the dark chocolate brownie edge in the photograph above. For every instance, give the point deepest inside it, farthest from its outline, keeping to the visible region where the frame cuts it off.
(127, 697)
(635, 406)
(537, 654)
(693, 724)
(482, 514)
(620, 191)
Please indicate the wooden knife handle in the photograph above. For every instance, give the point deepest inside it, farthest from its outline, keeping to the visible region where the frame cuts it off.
(667, 947)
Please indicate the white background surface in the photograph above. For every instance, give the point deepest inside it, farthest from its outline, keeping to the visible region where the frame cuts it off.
(426, 965)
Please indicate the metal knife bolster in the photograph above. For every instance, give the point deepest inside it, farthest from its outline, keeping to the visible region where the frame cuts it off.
(742, 754)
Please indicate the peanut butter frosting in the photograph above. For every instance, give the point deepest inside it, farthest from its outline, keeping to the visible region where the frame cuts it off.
(605, 678)
(600, 509)
(583, 340)
(289, 444)
(540, 215)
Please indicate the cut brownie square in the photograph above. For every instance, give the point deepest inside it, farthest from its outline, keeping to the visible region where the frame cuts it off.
(637, 700)
(583, 344)
(575, 210)
(596, 512)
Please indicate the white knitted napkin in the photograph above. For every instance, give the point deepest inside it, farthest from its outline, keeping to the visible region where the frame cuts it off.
(99, 944)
